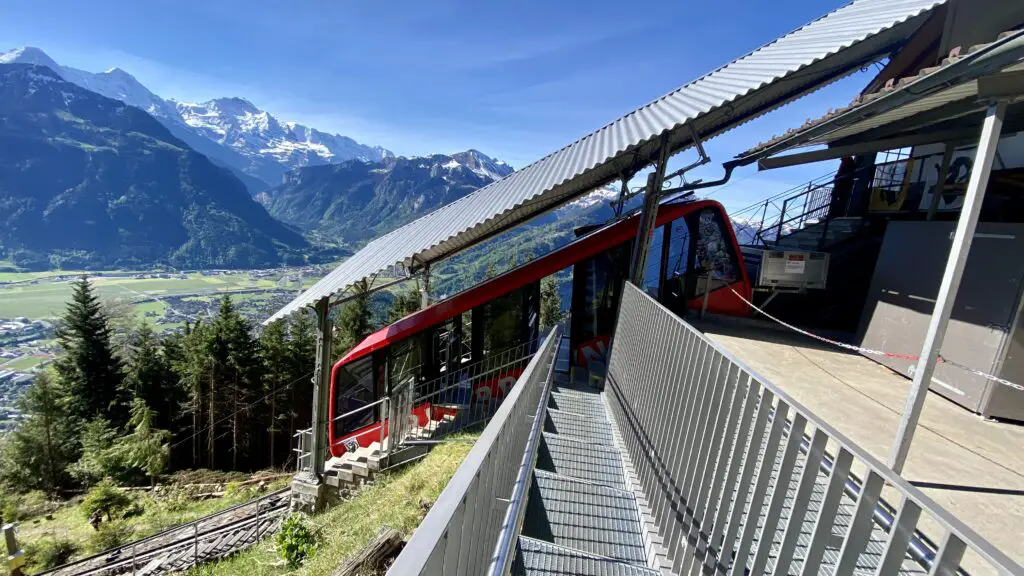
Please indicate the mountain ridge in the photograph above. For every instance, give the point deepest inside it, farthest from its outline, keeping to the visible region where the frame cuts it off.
(91, 181)
(261, 155)
(355, 201)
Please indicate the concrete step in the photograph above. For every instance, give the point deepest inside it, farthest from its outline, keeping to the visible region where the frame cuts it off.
(536, 558)
(587, 517)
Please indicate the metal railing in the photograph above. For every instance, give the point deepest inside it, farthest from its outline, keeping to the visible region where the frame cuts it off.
(418, 412)
(303, 450)
(738, 473)
(459, 533)
(789, 211)
(469, 395)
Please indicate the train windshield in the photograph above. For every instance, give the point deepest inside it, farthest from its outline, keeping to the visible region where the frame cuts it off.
(685, 257)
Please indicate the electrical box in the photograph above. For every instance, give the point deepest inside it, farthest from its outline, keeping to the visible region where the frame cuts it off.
(793, 270)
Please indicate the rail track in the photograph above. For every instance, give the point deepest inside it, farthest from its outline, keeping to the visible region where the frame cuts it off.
(176, 549)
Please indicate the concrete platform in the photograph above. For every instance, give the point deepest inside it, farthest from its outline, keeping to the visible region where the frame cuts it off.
(972, 467)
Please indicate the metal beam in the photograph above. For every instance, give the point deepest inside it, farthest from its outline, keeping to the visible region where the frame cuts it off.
(987, 143)
(370, 290)
(836, 152)
(647, 218)
(321, 387)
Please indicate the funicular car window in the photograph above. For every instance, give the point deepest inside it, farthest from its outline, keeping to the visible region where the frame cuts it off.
(354, 388)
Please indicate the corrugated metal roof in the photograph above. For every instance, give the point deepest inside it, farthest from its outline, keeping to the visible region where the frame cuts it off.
(952, 82)
(758, 82)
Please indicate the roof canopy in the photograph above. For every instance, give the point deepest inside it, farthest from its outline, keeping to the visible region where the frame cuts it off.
(806, 59)
(940, 104)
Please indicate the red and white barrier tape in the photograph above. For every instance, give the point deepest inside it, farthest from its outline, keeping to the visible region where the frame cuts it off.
(873, 352)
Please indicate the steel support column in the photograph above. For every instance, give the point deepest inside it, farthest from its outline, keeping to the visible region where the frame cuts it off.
(321, 387)
(968, 221)
(650, 210)
(425, 288)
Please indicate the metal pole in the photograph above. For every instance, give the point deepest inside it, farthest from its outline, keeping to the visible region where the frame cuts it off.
(195, 544)
(947, 157)
(425, 290)
(647, 218)
(968, 221)
(321, 388)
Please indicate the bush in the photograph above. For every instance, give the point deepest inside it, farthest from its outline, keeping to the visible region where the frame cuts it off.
(295, 541)
(16, 507)
(50, 552)
(110, 535)
(105, 498)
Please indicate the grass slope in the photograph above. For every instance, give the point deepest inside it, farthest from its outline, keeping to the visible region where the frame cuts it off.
(393, 500)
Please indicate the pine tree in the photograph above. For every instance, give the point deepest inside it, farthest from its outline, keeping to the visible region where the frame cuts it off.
(39, 448)
(354, 320)
(88, 369)
(240, 372)
(303, 350)
(195, 370)
(278, 373)
(405, 303)
(146, 448)
(550, 303)
(148, 375)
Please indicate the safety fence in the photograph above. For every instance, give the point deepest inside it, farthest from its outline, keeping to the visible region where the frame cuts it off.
(459, 534)
(468, 395)
(742, 478)
(458, 399)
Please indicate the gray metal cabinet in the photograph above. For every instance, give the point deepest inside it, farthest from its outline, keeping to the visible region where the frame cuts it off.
(985, 329)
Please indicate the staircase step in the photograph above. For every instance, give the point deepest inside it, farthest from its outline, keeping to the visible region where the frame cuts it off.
(588, 517)
(591, 430)
(560, 398)
(594, 463)
(536, 557)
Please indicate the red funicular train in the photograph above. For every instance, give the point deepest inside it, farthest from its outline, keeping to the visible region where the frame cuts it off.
(461, 354)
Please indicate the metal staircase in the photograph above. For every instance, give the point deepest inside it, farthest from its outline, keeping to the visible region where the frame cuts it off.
(580, 516)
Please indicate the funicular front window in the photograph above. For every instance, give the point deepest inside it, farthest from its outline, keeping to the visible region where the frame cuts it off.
(354, 389)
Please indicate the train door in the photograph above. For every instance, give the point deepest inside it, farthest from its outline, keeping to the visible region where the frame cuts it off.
(699, 257)
(504, 331)
(596, 288)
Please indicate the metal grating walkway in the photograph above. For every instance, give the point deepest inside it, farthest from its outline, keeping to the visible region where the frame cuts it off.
(580, 518)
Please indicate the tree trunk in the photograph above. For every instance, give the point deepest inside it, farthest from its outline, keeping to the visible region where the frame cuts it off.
(211, 433)
(384, 546)
(273, 424)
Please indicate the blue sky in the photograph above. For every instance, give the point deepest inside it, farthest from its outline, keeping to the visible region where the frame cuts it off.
(516, 80)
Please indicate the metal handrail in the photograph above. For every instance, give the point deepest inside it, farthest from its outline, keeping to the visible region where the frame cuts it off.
(459, 532)
(516, 511)
(374, 404)
(724, 410)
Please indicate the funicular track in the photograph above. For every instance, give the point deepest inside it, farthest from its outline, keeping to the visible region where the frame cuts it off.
(184, 546)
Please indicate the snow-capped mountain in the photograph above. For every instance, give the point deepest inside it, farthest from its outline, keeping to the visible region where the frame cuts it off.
(479, 163)
(230, 131)
(259, 136)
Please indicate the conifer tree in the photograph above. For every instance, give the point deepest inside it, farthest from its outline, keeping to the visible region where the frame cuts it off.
(354, 321)
(39, 447)
(550, 303)
(88, 369)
